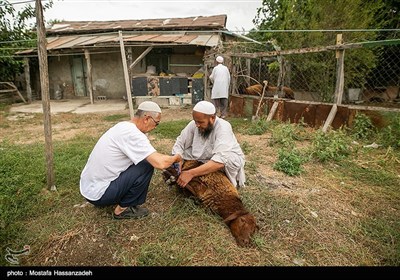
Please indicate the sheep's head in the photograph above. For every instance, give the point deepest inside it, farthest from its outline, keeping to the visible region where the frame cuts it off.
(243, 228)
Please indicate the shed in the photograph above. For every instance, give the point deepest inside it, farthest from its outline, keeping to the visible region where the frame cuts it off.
(166, 59)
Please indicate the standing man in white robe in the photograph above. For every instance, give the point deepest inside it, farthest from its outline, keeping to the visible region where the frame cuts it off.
(210, 139)
(221, 79)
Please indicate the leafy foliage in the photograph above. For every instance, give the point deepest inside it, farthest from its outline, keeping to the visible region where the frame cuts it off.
(258, 127)
(333, 145)
(362, 127)
(289, 162)
(15, 34)
(390, 134)
(305, 16)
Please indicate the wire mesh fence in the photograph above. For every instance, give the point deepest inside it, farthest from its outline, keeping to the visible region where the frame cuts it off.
(371, 70)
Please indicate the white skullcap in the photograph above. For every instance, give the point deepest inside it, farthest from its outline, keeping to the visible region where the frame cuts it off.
(149, 106)
(204, 107)
(219, 59)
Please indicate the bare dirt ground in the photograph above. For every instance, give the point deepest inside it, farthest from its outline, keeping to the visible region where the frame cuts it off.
(28, 127)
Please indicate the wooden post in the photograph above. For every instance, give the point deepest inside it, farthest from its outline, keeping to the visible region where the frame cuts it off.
(44, 84)
(339, 71)
(248, 72)
(126, 74)
(339, 84)
(261, 100)
(330, 118)
(280, 77)
(129, 62)
(206, 93)
(234, 79)
(273, 110)
(140, 57)
(89, 75)
(27, 79)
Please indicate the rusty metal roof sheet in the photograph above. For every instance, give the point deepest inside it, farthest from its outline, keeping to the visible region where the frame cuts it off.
(216, 22)
(75, 41)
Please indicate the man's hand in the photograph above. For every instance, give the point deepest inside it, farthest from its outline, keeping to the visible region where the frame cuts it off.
(184, 178)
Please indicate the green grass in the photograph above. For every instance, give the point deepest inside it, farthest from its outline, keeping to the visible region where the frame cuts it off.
(338, 212)
(169, 130)
(116, 117)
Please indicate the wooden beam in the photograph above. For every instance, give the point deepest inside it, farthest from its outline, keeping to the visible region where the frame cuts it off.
(248, 70)
(261, 99)
(272, 111)
(126, 74)
(317, 49)
(339, 71)
(44, 84)
(206, 95)
(330, 118)
(140, 57)
(16, 90)
(89, 75)
(27, 79)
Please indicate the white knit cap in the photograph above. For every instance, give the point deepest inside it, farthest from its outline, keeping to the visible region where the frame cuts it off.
(149, 106)
(219, 59)
(204, 107)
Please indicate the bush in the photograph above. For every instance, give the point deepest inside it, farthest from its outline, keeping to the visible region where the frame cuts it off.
(389, 136)
(333, 145)
(258, 127)
(289, 162)
(362, 127)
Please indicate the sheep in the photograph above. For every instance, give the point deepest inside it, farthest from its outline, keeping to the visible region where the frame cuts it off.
(216, 192)
(270, 91)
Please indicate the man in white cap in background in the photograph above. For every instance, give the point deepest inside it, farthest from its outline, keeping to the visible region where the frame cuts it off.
(121, 164)
(210, 139)
(221, 79)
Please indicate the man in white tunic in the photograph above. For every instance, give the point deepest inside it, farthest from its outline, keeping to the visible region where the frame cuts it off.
(122, 162)
(221, 79)
(210, 139)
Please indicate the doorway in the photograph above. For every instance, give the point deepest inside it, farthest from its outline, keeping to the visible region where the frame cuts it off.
(79, 75)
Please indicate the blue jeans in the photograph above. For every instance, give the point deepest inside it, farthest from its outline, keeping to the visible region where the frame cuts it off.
(130, 188)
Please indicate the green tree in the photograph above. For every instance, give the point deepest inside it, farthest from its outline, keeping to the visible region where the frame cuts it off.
(306, 16)
(15, 34)
(318, 15)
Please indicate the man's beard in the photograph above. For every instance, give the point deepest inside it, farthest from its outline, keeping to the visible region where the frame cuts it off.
(207, 131)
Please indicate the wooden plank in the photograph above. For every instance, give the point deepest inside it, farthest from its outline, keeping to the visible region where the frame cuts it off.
(20, 95)
(273, 110)
(126, 74)
(89, 73)
(7, 90)
(317, 49)
(27, 79)
(15, 89)
(330, 118)
(261, 99)
(140, 57)
(340, 71)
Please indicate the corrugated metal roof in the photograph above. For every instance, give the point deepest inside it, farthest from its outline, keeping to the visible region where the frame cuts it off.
(190, 23)
(75, 41)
